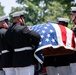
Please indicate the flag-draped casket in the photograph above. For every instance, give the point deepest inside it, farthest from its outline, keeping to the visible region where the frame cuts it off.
(55, 40)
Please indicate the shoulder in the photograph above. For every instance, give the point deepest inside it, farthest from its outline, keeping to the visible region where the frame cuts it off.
(3, 31)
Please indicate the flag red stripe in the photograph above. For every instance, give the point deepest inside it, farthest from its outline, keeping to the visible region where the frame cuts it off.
(63, 34)
(73, 40)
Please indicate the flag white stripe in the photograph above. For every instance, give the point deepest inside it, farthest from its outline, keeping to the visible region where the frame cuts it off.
(58, 32)
(68, 37)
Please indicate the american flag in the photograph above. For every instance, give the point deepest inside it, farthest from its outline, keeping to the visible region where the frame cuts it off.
(53, 35)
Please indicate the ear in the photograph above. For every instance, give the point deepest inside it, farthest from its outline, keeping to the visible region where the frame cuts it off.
(19, 20)
(4, 24)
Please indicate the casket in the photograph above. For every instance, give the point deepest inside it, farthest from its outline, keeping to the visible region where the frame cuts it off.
(55, 40)
(56, 51)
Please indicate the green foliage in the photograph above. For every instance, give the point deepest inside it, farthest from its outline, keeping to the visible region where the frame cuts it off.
(40, 11)
(70, 26)
(55, 10)
(29, 23)
(2, 11)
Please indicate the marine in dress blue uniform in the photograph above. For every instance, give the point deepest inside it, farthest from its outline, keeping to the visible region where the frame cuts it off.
(3, 29)
(73, 56)
(58, 64)
(24, 42)
(6, 56)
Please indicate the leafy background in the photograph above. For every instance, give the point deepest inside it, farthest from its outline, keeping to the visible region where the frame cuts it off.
(41, 11)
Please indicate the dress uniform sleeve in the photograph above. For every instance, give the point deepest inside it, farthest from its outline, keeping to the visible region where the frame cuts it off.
(74, 30)
(34, 36)
(8, 47)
